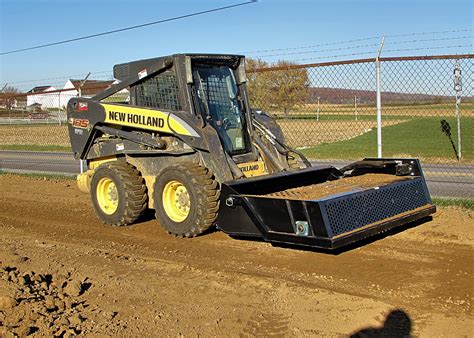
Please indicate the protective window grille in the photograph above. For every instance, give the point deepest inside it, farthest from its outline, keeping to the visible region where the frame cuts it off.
(216, 94)
(160, 91)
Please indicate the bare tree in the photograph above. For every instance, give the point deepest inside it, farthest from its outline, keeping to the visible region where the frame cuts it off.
(284, 88)
(8, 97)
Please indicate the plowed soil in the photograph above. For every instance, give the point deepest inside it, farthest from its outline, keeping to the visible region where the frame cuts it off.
(65, 273)
(346, 184)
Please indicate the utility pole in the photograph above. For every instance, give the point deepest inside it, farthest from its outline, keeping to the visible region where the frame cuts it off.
(458, 89)
(379, 99)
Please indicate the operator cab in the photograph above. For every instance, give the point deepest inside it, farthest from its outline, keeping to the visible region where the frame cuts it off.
(210, 86)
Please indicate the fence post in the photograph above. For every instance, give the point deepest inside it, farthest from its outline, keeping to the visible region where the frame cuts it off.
(79, 91)
(458, 89)
(59, 108)
(379, 100)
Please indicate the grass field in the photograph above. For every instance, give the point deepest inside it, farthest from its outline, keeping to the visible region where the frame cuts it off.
(420, 138)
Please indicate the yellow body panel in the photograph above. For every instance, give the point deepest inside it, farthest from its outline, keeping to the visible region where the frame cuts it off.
(251, 169)
(143, 118)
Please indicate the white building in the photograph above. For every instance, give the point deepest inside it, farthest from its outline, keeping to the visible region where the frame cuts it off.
(39, 96)
(88, 89)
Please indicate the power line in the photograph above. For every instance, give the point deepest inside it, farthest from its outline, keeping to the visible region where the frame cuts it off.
(430, 33)
(130, 28)
(60, 77)
(333, 56)
(321, 51)
(429, 40)
(388, 50)
(356, 40)
(424, 48)
(310, 46)
(364, 46)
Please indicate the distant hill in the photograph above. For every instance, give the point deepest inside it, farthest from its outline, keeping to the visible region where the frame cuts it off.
(346, 96)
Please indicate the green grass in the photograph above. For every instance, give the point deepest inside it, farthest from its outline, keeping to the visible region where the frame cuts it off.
(421, 137)
(467, 203)
(34, 147)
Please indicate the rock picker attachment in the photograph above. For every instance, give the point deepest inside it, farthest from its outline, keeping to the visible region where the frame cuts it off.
(320, 208)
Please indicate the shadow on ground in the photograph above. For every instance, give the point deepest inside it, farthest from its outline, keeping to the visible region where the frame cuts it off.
(397, 324)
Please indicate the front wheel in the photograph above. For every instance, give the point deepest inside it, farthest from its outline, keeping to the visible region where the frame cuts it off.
(186, 199)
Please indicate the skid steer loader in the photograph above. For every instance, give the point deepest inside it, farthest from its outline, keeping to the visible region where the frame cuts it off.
(185, 143)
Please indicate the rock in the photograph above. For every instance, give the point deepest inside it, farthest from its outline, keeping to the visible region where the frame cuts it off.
(36, 277)
(73, 288)
(75, 320)
(33, 316)
(25, 280)
(49, 303)
(5, 333)
(68, 303)
(13, 276)
(7, 302)
(24, 330)
(109, 315)
(59, 280)
(64, 322)
(59, 304)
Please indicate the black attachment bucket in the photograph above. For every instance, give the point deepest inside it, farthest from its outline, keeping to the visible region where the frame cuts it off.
(271, 207)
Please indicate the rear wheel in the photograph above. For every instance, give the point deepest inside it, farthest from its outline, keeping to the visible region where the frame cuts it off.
(186, 199)
(118, 193)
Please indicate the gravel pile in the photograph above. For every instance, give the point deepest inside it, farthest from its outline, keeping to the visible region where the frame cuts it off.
(44, 304)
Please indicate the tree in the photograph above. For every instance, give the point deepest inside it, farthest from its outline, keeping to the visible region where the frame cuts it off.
(283, 87)
(8, 97)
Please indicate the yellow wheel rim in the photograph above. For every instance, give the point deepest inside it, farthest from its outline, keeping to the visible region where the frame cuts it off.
(107, 195)
(176, 201)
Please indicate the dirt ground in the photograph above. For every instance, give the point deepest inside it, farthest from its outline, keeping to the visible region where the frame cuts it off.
(64, 273)
(46, 135)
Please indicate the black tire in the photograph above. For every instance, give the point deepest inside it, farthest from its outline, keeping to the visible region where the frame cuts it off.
(131, 196)
(202, 193)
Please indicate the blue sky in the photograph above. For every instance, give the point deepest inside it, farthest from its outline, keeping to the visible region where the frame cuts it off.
(267, 24)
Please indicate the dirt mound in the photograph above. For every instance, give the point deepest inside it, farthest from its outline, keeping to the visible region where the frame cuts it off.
(346, 184)
(46, 304)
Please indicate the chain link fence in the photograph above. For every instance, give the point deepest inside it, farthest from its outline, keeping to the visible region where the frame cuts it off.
(326, 110)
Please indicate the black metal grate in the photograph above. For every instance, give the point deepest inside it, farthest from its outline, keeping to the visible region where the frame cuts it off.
(355, 211)
(160, 91)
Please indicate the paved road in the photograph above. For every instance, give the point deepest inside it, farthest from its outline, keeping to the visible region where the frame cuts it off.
(38, 162)
(443, 180)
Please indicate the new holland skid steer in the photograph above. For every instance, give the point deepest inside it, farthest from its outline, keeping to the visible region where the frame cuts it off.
(186, 143)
